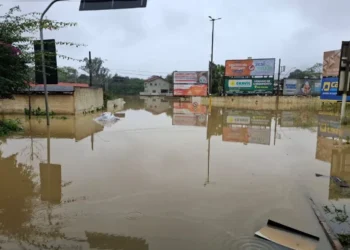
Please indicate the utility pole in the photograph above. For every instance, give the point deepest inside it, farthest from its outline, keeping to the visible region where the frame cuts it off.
(278, 77)
(90, 70)
(212, 53)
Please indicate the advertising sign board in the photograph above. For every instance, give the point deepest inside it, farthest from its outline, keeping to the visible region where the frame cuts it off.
(250, 67)
(330, 88)
(308, 87)
(331, 63)
(191, 83)
(189, 114)
(249, 86)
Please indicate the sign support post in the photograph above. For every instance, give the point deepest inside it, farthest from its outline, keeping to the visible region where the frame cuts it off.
(344, 75)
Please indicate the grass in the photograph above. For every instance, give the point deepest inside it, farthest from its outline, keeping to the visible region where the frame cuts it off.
(9, 126)
(38, 112)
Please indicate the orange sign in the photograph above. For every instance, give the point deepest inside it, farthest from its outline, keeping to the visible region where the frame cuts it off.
(190, 90)
(250, 67)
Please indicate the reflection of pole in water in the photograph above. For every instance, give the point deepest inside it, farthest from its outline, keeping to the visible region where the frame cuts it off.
(92, 141)
(274, 136)
(208, 171)
(208, 138)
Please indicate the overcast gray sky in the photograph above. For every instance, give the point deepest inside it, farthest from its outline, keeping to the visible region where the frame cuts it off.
(176, 35)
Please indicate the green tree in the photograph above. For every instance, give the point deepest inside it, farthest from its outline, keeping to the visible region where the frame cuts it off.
(67, 74)
(100, 74)
(314, 71)
(218, 79)
(17, 35)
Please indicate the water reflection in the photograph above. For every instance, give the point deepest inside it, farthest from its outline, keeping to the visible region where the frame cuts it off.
(70, 197)
(115, 242)
(247, 127)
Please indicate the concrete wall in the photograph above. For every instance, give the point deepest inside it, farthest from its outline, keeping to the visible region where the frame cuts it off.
(156, 86)
(87, 99)
(265, 102)
(60, 104)
(115, 105)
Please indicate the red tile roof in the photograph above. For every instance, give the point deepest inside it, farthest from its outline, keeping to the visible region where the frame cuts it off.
(80, 85)
(152, 78)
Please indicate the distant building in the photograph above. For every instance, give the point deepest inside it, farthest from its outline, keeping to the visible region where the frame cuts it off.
(156, 85)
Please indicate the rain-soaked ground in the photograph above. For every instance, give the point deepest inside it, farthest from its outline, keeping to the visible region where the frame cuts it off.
(171, 175)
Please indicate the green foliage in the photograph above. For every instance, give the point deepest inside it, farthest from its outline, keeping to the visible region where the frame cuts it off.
(19, 30)
(100, 74)
(38, 112)
(218, 79)
(9, 126)
(313, 72)
(125, 85)
(67, 74)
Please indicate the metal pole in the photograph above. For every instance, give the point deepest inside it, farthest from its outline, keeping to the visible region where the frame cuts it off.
(90, 70)
(346, 81)
(43, 59)
(278, 77)
(211, 58)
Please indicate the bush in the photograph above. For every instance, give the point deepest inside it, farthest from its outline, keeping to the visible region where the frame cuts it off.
(9, 126)
(38, 112)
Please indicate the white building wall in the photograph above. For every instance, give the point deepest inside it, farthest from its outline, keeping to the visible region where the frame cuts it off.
(156, 86)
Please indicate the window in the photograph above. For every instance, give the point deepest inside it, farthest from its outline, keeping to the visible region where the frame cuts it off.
(155, 84)
(163, 91)
(154, 91)
(150, 84)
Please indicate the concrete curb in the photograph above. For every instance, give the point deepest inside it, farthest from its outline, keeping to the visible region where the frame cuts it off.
(326, 228)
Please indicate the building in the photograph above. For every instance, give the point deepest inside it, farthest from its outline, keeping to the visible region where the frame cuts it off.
(156, 85)
(64, 99)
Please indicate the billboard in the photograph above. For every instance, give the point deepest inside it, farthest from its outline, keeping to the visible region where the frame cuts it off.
(330, 88)
(249, 86)
(308, 87)
(189, 114)
(331, 63)
(250, 67)
(191, 83)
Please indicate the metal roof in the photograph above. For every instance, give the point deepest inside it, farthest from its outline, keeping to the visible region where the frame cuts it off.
(51, 88)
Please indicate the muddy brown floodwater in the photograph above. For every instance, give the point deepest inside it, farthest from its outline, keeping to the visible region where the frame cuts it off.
(170, 175)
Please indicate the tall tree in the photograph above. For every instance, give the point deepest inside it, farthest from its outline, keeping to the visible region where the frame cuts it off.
(218, 79)
(100, 74)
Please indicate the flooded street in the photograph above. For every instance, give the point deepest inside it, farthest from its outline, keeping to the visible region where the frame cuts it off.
(170, 175)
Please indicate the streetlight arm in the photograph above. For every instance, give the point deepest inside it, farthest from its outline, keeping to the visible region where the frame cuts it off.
(43, 59)
(47, 9)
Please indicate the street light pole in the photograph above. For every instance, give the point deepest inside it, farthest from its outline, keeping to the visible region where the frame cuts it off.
(43, 60)
(212, 53)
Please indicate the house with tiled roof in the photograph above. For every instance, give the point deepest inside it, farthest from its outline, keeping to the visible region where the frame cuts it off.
(156, 85)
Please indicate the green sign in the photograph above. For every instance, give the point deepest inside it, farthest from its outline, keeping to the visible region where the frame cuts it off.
(249, 86)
